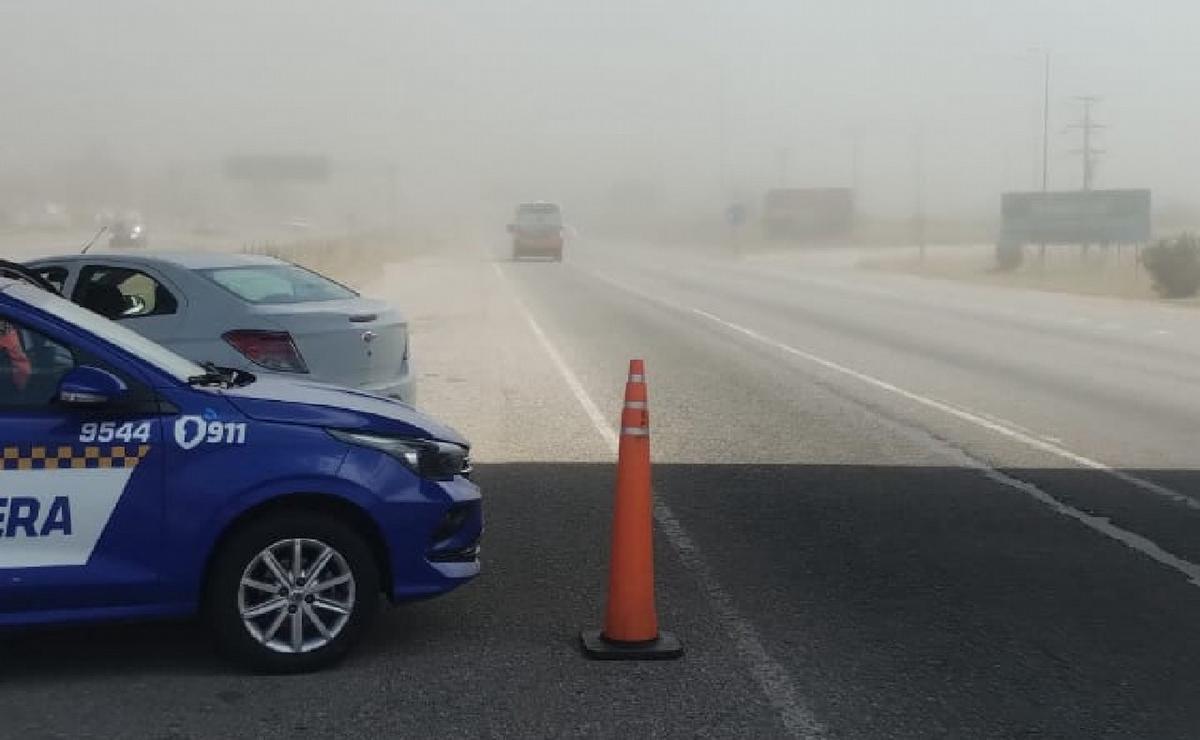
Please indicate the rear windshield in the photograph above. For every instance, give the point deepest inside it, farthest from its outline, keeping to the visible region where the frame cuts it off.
(540, 214)
(272, 284)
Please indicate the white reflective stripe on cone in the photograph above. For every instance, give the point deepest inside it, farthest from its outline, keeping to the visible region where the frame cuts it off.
(637, 378)
(635, 404)
(635, 431)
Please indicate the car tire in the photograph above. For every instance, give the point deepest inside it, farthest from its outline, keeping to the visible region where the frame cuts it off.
(259, 641)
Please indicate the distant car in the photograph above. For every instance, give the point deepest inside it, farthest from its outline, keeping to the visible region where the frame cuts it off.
(248, 312)
(137, 484)
(537, 231)
(127, 234)
(299, 224)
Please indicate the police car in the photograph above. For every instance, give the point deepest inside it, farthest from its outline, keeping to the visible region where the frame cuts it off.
(137, 484)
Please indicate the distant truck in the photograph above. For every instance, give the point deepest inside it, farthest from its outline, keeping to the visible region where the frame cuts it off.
(806, 214)
(537, 231)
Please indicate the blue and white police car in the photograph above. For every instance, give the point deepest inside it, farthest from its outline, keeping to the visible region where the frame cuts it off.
(137, 484)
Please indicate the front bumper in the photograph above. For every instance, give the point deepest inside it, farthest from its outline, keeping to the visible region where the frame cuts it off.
(451, 545)
(431, 529)
(454, 551)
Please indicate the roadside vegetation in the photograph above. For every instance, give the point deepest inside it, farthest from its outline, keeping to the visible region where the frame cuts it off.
(1174, 265)
(353, 259)
(1009, 256)
(1169, 268)
(1099, 271)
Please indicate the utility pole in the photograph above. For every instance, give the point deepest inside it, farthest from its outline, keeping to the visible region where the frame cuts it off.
(784, 155)
(1089, 153)
(1046, 127)
(855, 161)
(919, 191)
(393, 179)
(722, 137)
(1045, 143)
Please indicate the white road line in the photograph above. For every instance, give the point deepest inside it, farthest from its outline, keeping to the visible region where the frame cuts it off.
(772, 678)
(1031, 439)
(973, 418)
(1099, 524)
(602, 426)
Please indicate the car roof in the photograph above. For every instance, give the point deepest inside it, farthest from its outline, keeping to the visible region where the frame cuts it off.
(186, 259)
(8, 286)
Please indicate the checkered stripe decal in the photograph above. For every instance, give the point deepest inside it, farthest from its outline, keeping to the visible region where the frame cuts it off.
(61, 457)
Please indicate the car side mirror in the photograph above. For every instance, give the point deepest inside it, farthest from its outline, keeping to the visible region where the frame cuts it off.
(90, 386)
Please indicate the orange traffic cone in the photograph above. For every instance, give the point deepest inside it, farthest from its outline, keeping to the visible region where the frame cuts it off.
(630, 621)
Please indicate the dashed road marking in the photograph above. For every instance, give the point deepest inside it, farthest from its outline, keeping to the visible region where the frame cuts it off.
(968, 416)
(1099, 524)
(772, 678)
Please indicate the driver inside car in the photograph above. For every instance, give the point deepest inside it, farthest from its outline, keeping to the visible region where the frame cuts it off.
(15, 367)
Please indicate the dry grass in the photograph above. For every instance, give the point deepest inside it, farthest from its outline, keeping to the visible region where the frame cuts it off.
(352, 260)
(1065, 270)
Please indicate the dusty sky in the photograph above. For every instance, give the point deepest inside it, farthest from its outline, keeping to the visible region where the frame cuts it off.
(561, 98)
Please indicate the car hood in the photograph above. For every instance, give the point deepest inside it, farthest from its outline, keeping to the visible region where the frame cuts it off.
(317, 404)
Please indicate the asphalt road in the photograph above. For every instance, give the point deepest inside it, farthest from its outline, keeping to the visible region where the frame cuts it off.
(887, 507)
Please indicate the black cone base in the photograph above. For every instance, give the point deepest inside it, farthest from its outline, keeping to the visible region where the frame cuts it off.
(596, 647)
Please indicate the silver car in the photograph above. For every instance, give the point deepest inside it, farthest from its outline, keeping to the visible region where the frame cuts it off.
(247, 312)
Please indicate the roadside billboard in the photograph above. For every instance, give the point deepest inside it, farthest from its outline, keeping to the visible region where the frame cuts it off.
(1076, 217)
(808, 213)
(277, 168)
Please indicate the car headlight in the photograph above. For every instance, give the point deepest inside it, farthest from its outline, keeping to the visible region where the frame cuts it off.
(426, 457)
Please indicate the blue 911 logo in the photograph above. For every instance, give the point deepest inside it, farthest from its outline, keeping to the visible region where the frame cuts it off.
(192, 431)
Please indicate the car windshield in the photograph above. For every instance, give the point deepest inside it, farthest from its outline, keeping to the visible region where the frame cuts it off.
(157, 355)
(273, 284)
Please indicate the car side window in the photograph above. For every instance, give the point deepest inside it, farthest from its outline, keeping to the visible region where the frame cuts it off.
(56, 276)
(123, 293)
(31, 366)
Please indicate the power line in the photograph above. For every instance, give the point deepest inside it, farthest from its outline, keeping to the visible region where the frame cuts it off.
(1089, 153)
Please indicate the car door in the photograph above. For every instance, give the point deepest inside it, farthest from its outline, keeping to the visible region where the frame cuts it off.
(80, 490)
(138, 296)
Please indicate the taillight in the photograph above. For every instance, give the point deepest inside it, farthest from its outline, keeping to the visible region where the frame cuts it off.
(273, 350)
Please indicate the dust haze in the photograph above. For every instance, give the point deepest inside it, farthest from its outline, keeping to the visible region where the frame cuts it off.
(438, 112)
